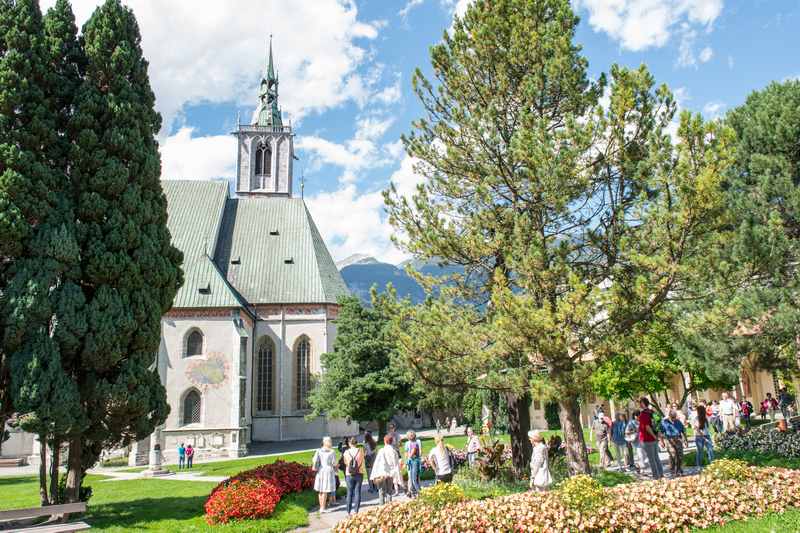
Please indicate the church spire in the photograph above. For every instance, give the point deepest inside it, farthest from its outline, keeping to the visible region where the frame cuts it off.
(268, 113)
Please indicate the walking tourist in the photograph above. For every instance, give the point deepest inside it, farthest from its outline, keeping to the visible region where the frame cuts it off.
(632, 438)
(370, 449)
(618, 439)
(681, 414)
(324, 465)
(354, 474)
(189, 456)
(453, 425)
(702, 437)
(786, 403)
(386, 470)
(601, 431)
(447, 424)
(473, 445)
(648, 438)
(728, 409)
(181, 456)
(769, 406)
(745, 410)
(714, 417)
(540, 469)
(674, 433)
(392, 432)
(441, 460)
(413, 450)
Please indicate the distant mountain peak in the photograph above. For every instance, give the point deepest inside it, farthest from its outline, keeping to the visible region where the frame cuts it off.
(356, 259)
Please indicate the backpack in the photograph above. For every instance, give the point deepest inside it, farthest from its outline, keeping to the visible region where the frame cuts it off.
(353, 465)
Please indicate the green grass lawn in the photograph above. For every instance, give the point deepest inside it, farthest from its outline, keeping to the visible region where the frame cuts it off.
(788, 522)
(157, 505)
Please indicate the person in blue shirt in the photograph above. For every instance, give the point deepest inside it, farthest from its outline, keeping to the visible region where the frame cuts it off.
(618, 440)
(181, 456)
(673, 432)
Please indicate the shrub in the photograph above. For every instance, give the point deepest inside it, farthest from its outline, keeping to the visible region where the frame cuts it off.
(764, 440)
(581, 493)
(725, 469)
(250, 494)
(440, 495)
(469, 480)
(248, 499)
(682, 504)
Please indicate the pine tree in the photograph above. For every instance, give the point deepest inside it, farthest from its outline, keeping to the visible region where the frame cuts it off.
(130, 272)
(574, 221)
(361, 377)
(38, 247)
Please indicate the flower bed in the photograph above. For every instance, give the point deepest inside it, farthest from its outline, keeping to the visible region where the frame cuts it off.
(650, 506)
(765, 440)
(253, 494)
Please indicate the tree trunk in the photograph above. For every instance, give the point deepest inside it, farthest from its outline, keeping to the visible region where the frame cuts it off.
(381, 430)
(43, 471)
(55, 454)
(519, 423)
(75, 472)
(569, 414)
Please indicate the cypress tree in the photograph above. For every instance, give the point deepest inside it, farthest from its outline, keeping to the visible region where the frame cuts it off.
(37, 244)
(130, 272)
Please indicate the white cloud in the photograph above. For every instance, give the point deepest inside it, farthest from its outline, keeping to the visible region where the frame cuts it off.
(389, 94)
(706, 54)
(713, 109)
(187, 157)
(352, 222)
(215, 51)
(642, 24)
(411, 4)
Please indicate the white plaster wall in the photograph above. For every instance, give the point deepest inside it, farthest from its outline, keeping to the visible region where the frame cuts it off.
(19, 443)
(221, 339)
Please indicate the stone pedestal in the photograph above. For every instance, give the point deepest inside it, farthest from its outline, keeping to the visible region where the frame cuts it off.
(154, 468)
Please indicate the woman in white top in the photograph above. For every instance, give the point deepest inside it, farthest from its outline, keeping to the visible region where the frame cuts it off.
(473, 445)
(439, 459)
(540, 469)
(324, 464)
(385, 471)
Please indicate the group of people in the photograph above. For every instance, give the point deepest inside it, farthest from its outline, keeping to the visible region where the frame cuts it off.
(637, 439)
(382, 467)
(185, 456)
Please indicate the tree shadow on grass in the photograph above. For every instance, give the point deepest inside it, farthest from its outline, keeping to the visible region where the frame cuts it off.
(145, 513)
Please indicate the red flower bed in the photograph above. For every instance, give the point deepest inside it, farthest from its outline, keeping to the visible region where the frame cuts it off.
(254, 493)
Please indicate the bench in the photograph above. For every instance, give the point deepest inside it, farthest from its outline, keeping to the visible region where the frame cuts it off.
(11, 462)
(9, 519)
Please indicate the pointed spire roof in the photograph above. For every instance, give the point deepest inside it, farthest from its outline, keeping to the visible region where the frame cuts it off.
(270, 69)
(268, 113)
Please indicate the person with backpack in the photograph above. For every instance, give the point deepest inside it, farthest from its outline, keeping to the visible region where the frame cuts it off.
(441, 460)
(413, 450)
(702, 437)
(648, 438)
(354, 474)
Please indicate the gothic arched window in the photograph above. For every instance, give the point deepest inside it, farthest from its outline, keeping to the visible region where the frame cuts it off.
(194, 343)
(263, 160)
(302, 353)
(191, 408)
(265, 359)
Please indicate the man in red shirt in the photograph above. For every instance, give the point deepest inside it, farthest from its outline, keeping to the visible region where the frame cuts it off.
(648, 438)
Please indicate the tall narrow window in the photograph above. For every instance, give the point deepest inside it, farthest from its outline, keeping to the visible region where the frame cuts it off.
(264, 375)
(263, 160)
(191, 408)
(260, 160)
(194, 343)
(303, 377)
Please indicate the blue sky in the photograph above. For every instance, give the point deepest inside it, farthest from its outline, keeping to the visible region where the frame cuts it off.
(345, 69)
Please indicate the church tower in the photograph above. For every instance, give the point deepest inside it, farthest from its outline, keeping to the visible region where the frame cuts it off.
(265, 147)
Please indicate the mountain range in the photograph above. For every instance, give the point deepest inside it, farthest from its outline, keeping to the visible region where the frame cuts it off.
(361, 272)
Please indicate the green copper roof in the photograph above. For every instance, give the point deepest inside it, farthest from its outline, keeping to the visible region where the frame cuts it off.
(268, 112)
(271, 252)
(264, 250)
(195, 210)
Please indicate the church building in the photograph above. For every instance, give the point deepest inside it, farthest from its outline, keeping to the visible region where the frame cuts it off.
(240, 348)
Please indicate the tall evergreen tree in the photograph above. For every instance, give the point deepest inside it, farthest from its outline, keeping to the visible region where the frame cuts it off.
(576, 221)
(130, 272)
(361, 377)
(38, 247)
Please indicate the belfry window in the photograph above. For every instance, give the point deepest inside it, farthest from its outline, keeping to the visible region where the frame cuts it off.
(263, 160)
